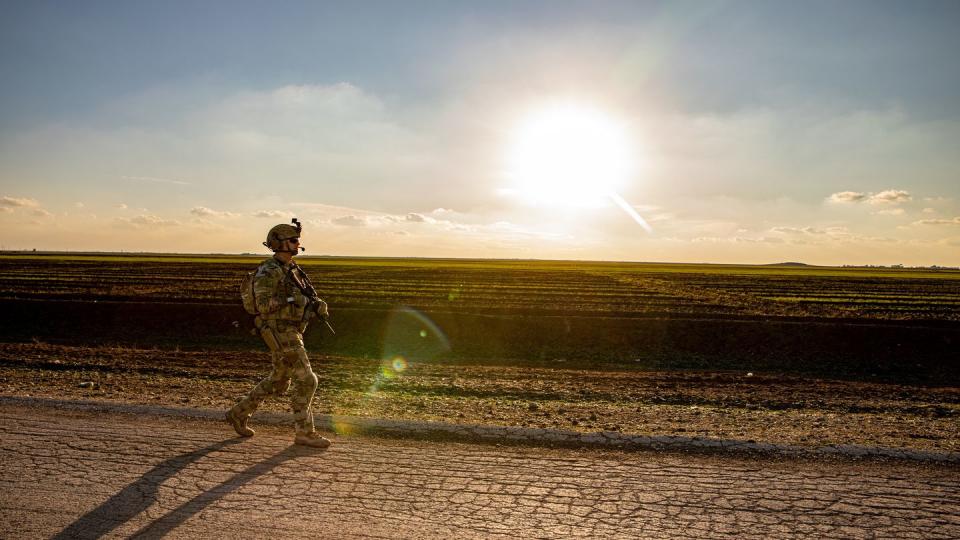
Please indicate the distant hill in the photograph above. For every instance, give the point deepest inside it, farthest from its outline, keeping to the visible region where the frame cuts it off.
(787, 264)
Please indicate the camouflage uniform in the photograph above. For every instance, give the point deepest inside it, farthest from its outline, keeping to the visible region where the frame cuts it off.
(282, 320)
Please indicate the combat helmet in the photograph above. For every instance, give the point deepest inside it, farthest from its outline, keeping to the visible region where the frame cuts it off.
(282, 232)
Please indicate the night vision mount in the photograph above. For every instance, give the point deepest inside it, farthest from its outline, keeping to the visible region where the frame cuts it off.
(299, 226)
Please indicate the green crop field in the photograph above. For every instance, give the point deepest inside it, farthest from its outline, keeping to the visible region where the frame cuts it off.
(499, 286)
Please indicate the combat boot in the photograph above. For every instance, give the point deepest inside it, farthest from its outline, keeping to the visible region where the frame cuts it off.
(312, 439)
(239, 424)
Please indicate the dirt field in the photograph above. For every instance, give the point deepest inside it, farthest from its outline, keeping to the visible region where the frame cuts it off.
(805, 356)
(729, 405)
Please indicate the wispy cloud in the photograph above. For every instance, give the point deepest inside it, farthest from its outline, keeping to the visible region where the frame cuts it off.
(331, 209)
(889, 196)
(148, 220)
(954, 221)
(203, 211)
(156, 180)
(417, 218)
(18, 202)
(798, 230)
(736, 240)
(271, 214)
(349, 221)
(847, 197)
(891, 212)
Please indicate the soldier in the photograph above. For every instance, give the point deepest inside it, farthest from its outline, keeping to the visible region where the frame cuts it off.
(283, 307)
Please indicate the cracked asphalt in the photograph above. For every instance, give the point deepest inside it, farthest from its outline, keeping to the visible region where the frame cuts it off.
(81, 474)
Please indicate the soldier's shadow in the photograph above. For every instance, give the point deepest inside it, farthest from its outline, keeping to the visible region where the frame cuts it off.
(141, 494)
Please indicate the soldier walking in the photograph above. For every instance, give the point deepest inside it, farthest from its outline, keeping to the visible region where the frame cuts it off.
(283, 301)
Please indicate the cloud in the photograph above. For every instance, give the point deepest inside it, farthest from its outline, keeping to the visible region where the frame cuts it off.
(426, 226)
(385, 219)
(929, 211)
(121, 206)
(156, 180)
(270, 214)
(78, 204)
(306, 124)
(736, 240)
(954, 221)
(798, 230)
(847, 197)
(892, 212)
(203, 211)
(42, 213)
(18, 202)
(148, 220)
(349, 221)
(290, 103)
(5, 209)
(153, 221)
(890, 196)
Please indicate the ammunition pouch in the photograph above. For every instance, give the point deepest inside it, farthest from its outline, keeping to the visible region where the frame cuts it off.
(271, 339)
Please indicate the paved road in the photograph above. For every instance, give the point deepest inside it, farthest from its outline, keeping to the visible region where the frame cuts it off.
(70, 474)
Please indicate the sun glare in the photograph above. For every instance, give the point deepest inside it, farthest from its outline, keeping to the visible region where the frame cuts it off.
(568, 155)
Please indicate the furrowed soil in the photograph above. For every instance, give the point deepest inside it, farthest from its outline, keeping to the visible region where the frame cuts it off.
(763, 407)
(807, 356)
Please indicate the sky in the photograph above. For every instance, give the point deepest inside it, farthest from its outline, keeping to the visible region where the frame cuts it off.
(724, 132)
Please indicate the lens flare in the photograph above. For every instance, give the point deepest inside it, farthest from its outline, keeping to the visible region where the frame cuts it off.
(341, 426)
(631, 211)
(408, 337)
(413, 336)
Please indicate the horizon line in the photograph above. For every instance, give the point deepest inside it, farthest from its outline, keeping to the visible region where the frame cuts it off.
(161, 254)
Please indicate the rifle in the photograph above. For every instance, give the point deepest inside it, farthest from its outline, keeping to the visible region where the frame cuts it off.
(302, 281)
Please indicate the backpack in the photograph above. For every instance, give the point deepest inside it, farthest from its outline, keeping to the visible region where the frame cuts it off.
(246, 293)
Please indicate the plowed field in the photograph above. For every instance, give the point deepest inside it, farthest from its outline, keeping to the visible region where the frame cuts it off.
(799, 355)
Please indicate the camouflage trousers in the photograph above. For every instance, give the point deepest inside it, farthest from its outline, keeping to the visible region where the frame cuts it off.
(290, 363)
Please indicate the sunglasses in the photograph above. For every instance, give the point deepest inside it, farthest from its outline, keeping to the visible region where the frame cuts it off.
(294, 240)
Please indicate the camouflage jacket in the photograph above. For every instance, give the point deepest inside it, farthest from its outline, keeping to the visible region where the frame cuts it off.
(278, 298)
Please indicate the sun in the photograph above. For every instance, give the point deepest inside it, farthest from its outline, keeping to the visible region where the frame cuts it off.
(567, 154)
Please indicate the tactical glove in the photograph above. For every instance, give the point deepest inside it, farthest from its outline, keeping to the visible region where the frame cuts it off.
(319, 307)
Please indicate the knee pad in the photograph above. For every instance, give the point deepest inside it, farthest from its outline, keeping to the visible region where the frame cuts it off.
(311, 380)
(305, 378)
